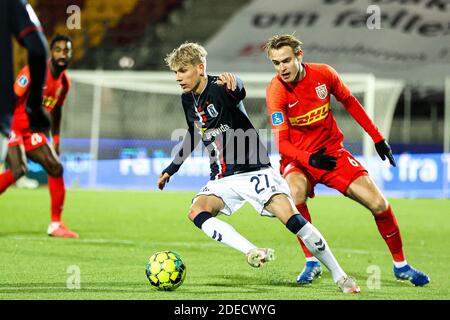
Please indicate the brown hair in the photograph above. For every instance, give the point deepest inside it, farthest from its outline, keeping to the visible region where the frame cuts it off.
(278, 41)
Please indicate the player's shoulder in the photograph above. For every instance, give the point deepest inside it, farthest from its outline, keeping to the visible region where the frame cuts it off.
(320, 68)
(212, 83)
(276, 84)
(24, 73)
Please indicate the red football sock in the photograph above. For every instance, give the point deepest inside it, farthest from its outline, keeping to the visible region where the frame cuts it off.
(57, 194)
(389, 230)
(6, 179)
(303, 209)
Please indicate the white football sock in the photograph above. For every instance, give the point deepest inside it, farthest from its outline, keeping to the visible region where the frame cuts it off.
(225, 233)
(400, 264)
(317, 245)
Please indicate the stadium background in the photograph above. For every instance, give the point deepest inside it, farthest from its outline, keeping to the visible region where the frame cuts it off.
(123, 127)
(120, 135)
(116, 134)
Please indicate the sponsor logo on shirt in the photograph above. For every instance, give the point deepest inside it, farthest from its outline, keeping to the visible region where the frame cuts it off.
(23, 81)
(212, 133)
(277, 118)
(322, 91)
(290, 105)
(311, 117)
(49, 102)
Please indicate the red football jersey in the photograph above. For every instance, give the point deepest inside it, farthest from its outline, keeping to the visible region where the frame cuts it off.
(301, 117)
(54, 95)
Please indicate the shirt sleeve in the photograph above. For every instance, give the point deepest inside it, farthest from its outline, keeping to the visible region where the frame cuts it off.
(239, 93)
(65, 90)
(23, 19)
(352, 105)
(190, 141)
(22, 82)
(276, 106)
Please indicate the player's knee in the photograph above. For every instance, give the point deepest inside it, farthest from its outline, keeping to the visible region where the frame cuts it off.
(56, 170)
(298, 194)
(192, 214)
(379, 205)
(198, 218)
(19, 171)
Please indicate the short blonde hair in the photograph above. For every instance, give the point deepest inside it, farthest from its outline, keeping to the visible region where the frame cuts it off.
(187, 53)
(278, 41)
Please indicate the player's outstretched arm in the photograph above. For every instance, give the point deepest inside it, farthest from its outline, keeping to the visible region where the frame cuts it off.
(384, 151)
(188, 145)
(27, 30)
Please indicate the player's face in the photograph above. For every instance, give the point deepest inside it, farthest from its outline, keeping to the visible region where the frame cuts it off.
(61, 53)
(189, 77)
(286, 63)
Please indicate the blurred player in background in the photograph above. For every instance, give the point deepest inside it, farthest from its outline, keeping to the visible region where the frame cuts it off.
(26, 143)
(312, 151)
(18, 18)
(240, 171)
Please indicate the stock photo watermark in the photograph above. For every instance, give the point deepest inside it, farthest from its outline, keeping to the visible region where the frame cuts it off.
(374, 280)
(73, 281)
(373, 21)
(74, 19)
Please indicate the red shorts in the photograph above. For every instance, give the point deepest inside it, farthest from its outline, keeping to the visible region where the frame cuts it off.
(346, 171)
(30, 140)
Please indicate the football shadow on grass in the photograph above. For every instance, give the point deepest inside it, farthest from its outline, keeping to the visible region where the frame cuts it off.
(249, 281)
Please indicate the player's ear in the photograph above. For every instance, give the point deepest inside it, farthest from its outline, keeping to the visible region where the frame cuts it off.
(202, 69)
(300, 55)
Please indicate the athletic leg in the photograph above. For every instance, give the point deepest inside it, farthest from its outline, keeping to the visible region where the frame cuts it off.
(17, 163)
(280, 206)
(300, 188)
(46, 156)
(364, 191)
(203, 214)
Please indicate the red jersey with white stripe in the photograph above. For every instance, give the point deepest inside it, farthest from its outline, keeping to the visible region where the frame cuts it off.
(54, 95)
(301, 117)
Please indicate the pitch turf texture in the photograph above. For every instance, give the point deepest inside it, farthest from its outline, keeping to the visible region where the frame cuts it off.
(119, 231)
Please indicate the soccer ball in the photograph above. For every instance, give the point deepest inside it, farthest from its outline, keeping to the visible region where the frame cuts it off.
(165, 270)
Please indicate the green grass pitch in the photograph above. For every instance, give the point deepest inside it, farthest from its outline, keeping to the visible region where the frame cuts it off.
(119, 231)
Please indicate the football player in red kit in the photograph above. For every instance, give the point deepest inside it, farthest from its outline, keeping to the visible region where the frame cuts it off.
(311, 146)
(23, 141)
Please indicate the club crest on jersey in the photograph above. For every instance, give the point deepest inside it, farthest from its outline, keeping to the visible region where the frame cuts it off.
(277, 118)
(322, 91)
(23, 81)
(212, 110)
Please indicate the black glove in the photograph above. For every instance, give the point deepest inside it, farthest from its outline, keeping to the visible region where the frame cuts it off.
(384, 150)
(322, 161)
